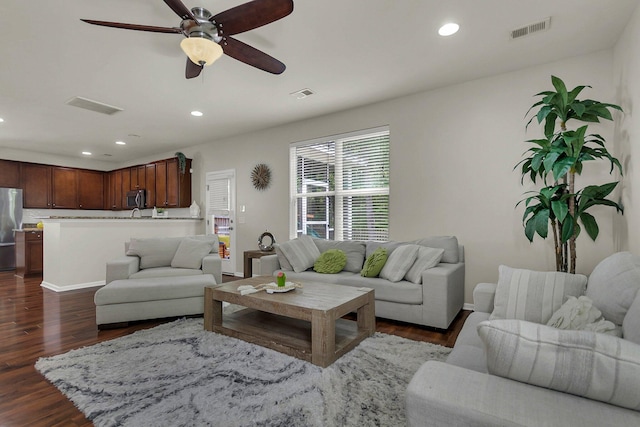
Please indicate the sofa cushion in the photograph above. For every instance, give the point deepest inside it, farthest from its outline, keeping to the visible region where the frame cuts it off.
(631, 323)
(389, 246)
(579, 314)
(533, 295)
(190, 253)
(613, 285)
(374, 263)
(468, 351)
(588, 364)
(427, 258)
(301, 252)
(399, 292)
(154, 289)
(155, 251)
(448, 243)
(282, 259)
(330, 262)
(165, 272)
(354, 251)
(399, 262)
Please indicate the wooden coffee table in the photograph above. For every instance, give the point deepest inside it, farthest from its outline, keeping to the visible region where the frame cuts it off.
(305, 323)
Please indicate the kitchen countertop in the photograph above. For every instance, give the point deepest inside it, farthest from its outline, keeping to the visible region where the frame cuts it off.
(125, 217)
(27, 229)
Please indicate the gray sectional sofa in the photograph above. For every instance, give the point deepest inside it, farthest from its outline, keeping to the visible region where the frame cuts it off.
(509, 372)
(158, 277)
(434, 301)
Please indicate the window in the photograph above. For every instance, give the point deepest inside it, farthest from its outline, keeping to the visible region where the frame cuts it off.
(340, 186)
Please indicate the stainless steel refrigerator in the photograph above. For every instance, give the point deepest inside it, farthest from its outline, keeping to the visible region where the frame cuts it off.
(10, 219)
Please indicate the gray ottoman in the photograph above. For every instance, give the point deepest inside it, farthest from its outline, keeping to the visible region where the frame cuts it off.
(122, 301)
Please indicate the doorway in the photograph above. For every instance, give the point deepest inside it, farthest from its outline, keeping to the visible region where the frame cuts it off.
(220, 214)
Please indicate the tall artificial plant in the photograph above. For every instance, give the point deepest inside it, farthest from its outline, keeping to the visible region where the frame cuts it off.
(555, 160)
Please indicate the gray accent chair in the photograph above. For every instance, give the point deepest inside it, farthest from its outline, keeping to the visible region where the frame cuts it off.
(158, 277)
(461, 391)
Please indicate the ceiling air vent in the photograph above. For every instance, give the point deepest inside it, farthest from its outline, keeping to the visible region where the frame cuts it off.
(89, 104)
(302, 93)
(527, 30)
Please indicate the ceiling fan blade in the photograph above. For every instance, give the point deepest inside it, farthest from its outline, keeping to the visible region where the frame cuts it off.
(180, 9)
(251, 15)
(251, 56)
(134, 26)
(193, 70)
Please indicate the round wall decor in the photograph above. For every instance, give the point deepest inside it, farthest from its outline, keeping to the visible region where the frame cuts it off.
(263, 246)
(261, 176)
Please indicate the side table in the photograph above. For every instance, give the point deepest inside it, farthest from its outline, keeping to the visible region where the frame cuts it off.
(248, 260)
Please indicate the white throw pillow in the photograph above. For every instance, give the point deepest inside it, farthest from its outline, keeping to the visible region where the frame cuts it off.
(427, 258)
(613, 285)
(399, 262)
(597, 366)
(533, 295)
(154, 251)
(190, 253)
(579, 314)
(301, 252)
(631, 323)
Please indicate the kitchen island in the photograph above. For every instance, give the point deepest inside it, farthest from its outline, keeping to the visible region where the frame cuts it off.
(76, 249)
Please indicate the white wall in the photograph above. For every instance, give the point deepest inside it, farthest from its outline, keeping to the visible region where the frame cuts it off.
(452, 156)
(627, 131)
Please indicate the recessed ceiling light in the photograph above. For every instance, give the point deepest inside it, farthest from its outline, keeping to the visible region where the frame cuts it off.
(121, 143)
(196, 113)
(449, 29)
(1, 120)
(86, 153)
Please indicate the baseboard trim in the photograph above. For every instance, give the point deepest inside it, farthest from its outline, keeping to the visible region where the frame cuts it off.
(467, 306)
(55, 288)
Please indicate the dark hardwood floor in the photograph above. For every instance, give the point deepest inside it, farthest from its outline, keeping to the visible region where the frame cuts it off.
(37, 322)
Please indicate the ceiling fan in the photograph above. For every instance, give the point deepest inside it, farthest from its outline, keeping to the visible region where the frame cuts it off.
(209, 36)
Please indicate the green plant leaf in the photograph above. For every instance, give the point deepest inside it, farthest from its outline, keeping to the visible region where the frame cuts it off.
(561, 89)
(567, 230)
(530, 229)
(541, 219)
(562, 167)
(560, 209)
(590, 225)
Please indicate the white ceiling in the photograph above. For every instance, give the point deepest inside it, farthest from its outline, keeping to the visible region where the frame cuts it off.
(349, 52)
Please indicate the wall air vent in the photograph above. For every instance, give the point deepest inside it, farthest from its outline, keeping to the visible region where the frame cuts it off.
(527, 30)
(89, 104)
(302, 93)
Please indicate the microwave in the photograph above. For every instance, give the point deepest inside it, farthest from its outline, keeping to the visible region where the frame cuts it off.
(135, 199)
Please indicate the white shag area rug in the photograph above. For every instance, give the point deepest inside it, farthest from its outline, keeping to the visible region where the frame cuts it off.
(177, 374)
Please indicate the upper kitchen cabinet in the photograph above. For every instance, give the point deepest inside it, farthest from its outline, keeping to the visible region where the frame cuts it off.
(36, 185)
(9, 174)
(137, 177)
(173, 188)
(150, 184)
(91, 189)
(64, 188)
(115, 195)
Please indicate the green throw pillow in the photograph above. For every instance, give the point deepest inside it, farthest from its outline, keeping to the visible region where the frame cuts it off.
(373, 265)
(330, 262)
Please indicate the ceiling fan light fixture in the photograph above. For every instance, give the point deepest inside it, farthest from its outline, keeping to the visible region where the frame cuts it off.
(201, 50)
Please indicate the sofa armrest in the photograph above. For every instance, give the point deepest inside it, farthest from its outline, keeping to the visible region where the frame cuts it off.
(269, 264)
(441, 394)
(212, 264)
(442, 294)
(121, 268)
(483, 296)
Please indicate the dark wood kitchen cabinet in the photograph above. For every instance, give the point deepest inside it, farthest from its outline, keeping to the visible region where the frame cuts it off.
(150, 184)
(36, 186)
(90, 189)
(9, 174)
(173, 189)
(114, 192)
(138, 177)
(29, 253)
(64, 188)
